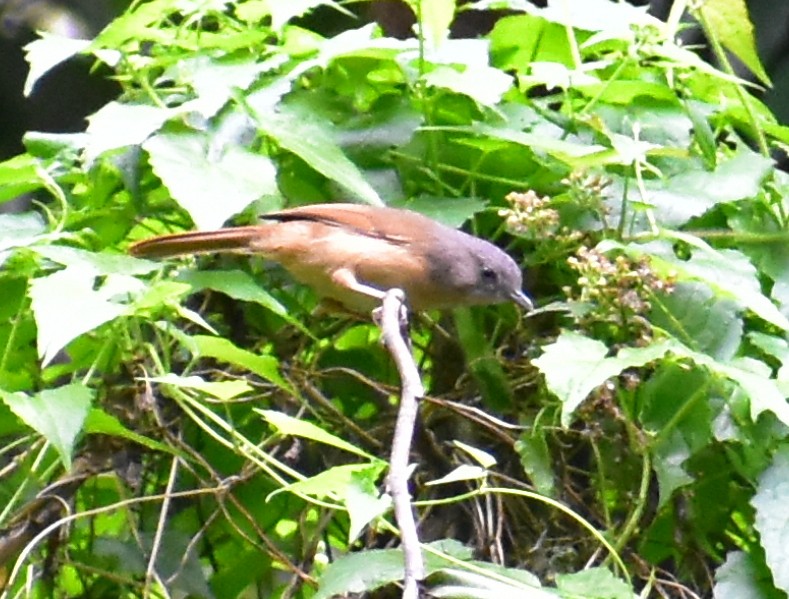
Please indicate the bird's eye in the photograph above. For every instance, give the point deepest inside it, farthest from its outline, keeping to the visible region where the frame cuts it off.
(488, 274)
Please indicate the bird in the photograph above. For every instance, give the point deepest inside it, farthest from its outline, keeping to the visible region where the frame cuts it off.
(353, 254)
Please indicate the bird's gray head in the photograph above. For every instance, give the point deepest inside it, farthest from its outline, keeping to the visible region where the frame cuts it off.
(482, 273)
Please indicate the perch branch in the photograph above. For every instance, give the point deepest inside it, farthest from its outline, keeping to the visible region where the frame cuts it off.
(393, 322)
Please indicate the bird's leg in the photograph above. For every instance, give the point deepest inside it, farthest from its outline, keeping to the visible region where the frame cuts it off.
(347, 278)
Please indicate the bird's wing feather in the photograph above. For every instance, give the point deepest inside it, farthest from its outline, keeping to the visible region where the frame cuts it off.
(373, 221)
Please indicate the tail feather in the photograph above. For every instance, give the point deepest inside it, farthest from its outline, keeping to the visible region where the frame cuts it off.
(233, 239)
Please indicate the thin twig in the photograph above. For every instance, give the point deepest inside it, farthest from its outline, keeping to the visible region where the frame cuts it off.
(393, 319)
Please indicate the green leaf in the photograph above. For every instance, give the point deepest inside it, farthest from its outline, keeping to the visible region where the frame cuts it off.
(135, 23)
(216, 81)
(354, 485)
(728, 21)
(299, 132)
(772, 517)
(728, 273)
(18, 176)
(593, 582)
(700, 319)
(99, 422)
(615, 19)
(283, 12)
(485, 85)
(117, 125)
(287, 425)
(567, 151)
(66, 305)
(224, 390)
(100, 263)
(266, 367)
(451, 212)
(575, 365)
(744, 576)
(46, 53)
(241, 286)
(57, 414)
(211, 188)
(693, 192)
(674, 402)
(365, 571)
(535, 457)
(20, 230)
(483, 458)
(464, 472)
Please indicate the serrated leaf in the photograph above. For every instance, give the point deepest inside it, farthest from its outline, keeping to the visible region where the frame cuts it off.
(211, 188)
(772, 517)
(593, 582)
(451, 212)
(66, 305)
(57, 414)
(46, 53)
(287, 425)
(575, 365)
(680, 197)
(99, 263)
(214, 81)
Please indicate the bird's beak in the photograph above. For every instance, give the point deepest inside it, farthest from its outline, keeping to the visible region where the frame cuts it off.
(523, 300)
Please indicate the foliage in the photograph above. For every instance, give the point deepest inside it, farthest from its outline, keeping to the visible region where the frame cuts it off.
(213, 436)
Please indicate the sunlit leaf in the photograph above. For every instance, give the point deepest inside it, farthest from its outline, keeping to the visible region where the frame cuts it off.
(287, 425)
(211, 188)
(772, 517)
(54, 299)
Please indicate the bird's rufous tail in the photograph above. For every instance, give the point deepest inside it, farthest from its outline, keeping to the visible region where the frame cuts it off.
(233, 239)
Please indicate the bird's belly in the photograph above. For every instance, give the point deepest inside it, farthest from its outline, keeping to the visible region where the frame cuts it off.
(313, 252)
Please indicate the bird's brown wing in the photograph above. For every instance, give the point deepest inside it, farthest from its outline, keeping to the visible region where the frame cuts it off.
(391, 224)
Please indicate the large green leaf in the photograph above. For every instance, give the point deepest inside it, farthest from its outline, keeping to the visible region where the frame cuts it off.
(311, 140)
(772, 517)
(210, 183)
(57, 414)
(730, 23)
(574, 365)
(66, 305)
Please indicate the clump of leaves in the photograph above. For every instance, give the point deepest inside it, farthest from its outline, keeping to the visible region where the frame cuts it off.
(247, 436)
